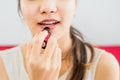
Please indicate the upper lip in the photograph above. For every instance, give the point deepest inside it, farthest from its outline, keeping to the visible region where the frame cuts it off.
(48, 21)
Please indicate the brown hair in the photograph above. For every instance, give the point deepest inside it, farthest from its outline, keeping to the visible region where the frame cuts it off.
(79, 53)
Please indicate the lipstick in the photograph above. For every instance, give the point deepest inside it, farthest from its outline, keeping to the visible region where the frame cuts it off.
(47, 37)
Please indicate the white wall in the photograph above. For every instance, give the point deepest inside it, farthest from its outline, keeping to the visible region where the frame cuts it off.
(99, 20)
(12, 29)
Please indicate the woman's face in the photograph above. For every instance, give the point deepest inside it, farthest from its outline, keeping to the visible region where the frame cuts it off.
(55, 14)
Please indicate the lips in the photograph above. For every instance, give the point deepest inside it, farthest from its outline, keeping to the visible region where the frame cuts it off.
(50, 23)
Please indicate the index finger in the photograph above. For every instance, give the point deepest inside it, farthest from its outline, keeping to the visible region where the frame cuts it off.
(38, 43)
(51, 46)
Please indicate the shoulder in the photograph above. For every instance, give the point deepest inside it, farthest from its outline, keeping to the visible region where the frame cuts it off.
(3, 74)
(107, 67)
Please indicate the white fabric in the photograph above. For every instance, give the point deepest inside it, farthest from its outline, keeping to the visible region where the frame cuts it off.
(13, 61)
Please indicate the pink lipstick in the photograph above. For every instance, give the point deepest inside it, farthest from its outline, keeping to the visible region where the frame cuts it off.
(47, 37)
(50, 23)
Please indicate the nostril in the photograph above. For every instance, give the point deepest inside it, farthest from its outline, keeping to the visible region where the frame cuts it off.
(48, 9)
(52, 11)
(43, 12)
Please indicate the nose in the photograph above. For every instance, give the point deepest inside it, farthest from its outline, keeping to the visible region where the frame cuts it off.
(47, 7)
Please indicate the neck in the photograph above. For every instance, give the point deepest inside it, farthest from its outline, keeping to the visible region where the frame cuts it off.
(65, 44)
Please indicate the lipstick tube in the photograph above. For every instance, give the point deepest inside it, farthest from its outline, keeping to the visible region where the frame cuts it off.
(47, 37)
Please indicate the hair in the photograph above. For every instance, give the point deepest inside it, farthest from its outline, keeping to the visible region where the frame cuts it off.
(79, 53)
(19, 5)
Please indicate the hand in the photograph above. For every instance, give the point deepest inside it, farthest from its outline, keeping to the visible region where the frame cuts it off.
(43, 64)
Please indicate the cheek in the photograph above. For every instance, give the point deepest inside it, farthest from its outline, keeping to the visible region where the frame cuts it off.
(28, 18)
(28, 13)
(69, 9)
(68, 14)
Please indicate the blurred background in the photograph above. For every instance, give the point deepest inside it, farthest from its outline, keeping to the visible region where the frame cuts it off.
(98, 20)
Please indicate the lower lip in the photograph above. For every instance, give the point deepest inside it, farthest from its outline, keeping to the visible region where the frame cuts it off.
(49, 26)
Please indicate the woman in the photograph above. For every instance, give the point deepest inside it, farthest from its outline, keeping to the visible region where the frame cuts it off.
(66, 55)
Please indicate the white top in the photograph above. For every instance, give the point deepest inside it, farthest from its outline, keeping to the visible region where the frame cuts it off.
(13, 61)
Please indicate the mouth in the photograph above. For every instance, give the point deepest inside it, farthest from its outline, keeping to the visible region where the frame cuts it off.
(48, 23)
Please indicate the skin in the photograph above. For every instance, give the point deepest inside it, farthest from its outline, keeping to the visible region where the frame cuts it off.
(3, 74)
(107, 68)
(34, 11)
(58, 45)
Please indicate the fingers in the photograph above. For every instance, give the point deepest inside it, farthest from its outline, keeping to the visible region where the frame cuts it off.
(59, 59)
(56, 62)
(29, 47)
(50, 48)
(56, 57)
(50, 58)
(37, 44)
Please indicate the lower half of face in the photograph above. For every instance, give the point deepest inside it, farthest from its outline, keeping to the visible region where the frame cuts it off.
(59, 21)
(59, 30)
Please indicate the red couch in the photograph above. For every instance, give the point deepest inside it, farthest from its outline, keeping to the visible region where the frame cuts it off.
(115, 50)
